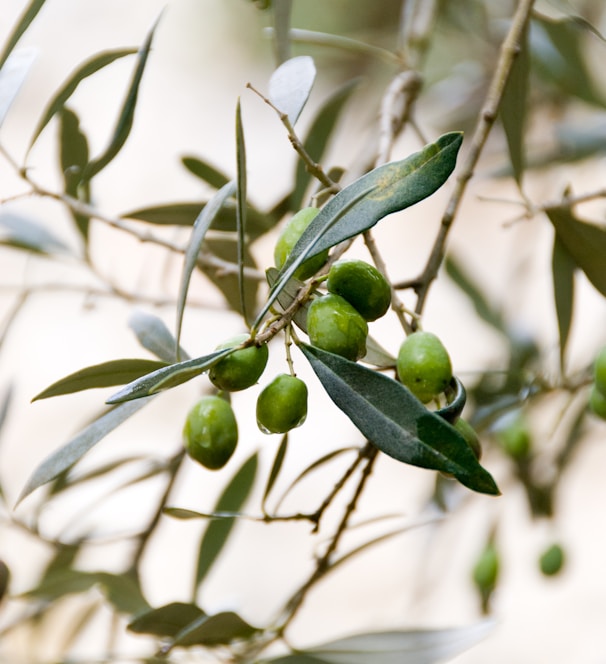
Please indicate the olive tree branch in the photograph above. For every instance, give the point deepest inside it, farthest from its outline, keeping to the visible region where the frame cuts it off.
(508, 52)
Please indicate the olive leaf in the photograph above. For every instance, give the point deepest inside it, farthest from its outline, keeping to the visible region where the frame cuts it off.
(291, 84)
(241, 193)
(167, 620)
(74, 156)
(395, 421)
(153, 334)
(23, 233)
(220, 628)
(28, 15)
(563, 268)
(205, 171)
(12, 76)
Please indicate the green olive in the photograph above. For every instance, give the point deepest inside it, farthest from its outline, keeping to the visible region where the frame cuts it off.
(515, 438)
(599, 371)
(282, 404)
(240, 369)
(290, 236)
(210, 432)
(362, 285)
(552, 560)
(486, 569)
(335, 326)
(597, 402)
(423, 365)
(470, 435)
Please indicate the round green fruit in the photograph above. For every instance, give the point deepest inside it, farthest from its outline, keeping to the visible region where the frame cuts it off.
(210, 432)
(240, 369)
(470, 435)
(423, 365)
(597, 402)
(486, 570)
(552, 560)
(290, 236)
(515, 439)
(335, 326)
(362, 285)
(282, 405)
(599, 371)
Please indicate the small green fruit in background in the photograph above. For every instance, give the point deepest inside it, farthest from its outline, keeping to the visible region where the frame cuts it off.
(290, 236)
(470, 435)
(597, 402)
(282, 404)
(210, 433)
(240, 369)
(552, 560)
(515, 438)
(362, 285)
(599, 371)
(485, 574)
(335, 326)
(423, 365)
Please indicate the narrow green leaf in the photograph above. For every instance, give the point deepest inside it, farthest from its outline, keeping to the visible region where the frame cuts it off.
(66, 456)
(395, 421)
(563, 268)
(127, 113)
(124, 592)
(86, 69)
(282, 10)
(23, 233)
(201, 226)
(12, 76)
(217, 532)
(403, 647)
(275, 469)
(221, 628)
(74, 157)
(62, 582)
(5, 404)
(167, 620)
(107, 374)
(205, 171)
(241, 194)
(26, 18)
(586, 244)
(513, 108)
(290, 86)
(167, 377)
(317, 139)
(154, 335)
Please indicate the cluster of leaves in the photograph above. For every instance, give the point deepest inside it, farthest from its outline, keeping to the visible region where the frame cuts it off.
(224, 229)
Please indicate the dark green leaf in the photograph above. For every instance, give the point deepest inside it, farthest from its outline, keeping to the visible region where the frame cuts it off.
(241, 195)
(221, 628)
(97, 62)
(231, 500)
(12, 76)
(513, 108)
(74, 157)
(317, 139)
(203, 170)
(395, 421)
(167, 377)
(586, 244)
(153, 335)
(275, 469)
(167, 620)
(201, 226)
(127, 113)
(22, 233)
(62, 582)
(405, 647)
(28, 15)
(290, 86)
(107, 374)
(124, 592)
(77, 447)
(563, 268)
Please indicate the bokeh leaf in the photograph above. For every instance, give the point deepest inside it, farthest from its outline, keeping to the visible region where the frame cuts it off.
(282, 10)
(205, 171)
(586, 243)
(241, 194)
(563, 268)
(395, 421)
(107, 374)
(276, 467)
(25, 20)
(217, 532)
(153, 334)
(167, 620)
(221, 628)
(290, 86)
(12, 76)
(23, 233)
(67, 455)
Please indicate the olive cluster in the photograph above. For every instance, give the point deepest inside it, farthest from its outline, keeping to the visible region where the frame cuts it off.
(597, 396)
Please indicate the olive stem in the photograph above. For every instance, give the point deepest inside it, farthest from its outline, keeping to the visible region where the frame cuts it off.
(508, 53)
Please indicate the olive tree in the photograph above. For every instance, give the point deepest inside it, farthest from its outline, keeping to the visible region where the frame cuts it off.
(328, 368)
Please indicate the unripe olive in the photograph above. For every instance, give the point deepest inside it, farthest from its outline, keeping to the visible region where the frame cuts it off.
(334, 325)
(486, 569)
(210, 433)
(515, 438)
(362, 285)
(599, 371)
(290, 236)
(470, 435)
(597, 402)
(240, 369)
(282, 404)
(552, 560)
(423, 365)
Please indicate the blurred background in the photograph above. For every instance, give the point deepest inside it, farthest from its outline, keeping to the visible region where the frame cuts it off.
(58, 315)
